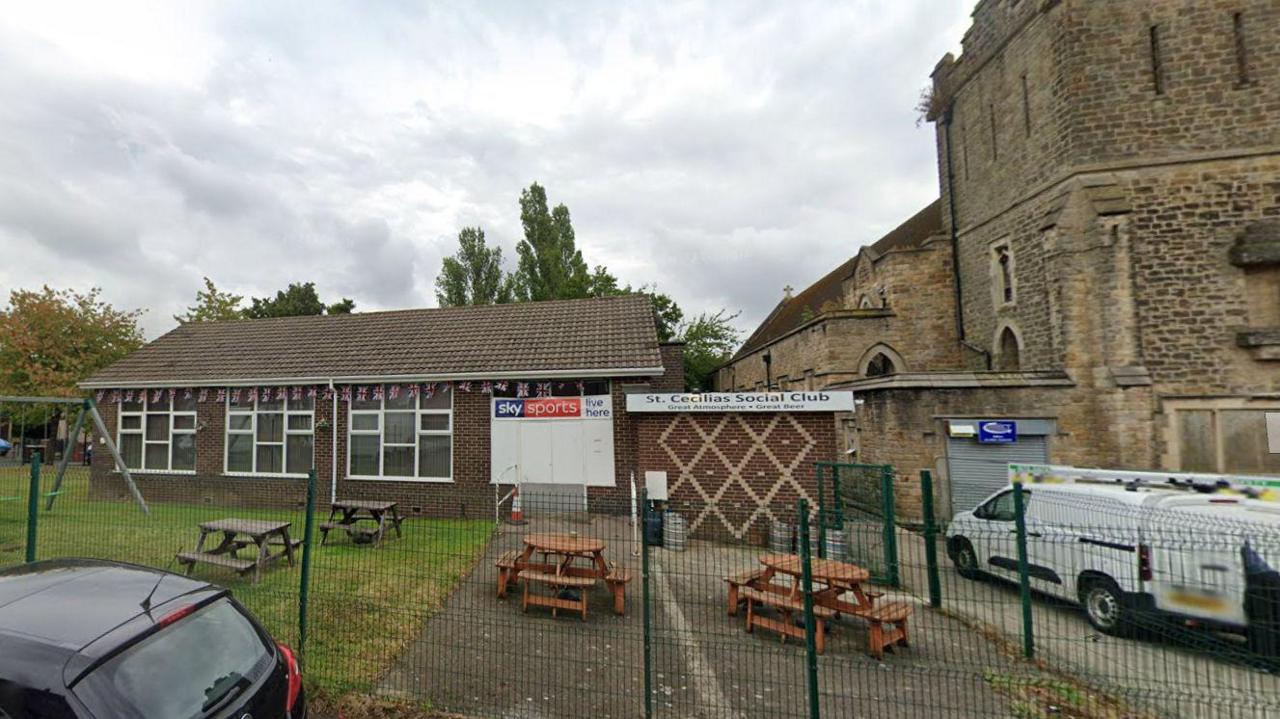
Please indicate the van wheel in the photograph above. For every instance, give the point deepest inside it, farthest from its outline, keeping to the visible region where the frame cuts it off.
(1104, 606)
(965, 559)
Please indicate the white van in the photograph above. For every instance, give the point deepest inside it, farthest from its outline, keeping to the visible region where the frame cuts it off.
(1120, 549)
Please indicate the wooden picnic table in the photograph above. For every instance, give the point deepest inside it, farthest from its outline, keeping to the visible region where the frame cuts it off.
(383, 515)
(561, 568)
(831, 579)
(238, 534)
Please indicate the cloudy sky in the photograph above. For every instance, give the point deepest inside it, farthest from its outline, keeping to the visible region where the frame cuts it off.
(719, 150)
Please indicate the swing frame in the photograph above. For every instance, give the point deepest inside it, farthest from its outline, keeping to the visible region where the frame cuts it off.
(88, 410)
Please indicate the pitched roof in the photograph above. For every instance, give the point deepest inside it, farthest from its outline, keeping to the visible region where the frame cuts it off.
(789, 314)
(608, 335)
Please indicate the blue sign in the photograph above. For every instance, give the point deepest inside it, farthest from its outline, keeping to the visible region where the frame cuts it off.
(997, 431)
(508, 408)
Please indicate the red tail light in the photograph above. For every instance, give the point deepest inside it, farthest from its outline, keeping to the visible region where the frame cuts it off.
(1144, 562)
(295, 677)
(175, 615)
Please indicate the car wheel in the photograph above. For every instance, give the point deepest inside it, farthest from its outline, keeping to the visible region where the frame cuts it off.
(965, 559)
(1104, 606)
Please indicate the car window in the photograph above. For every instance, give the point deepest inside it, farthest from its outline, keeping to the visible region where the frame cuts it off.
(183, 670)
(1000, 508)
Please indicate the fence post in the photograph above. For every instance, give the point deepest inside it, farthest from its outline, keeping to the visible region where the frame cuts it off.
(33, 505)
(1024, 577)
(806, 586)
(890, 525)
(644, 588)
(930, 538)
(304, 590)
(836, 496)
(822, 514)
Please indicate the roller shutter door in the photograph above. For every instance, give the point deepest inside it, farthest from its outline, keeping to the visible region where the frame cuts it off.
(978, 470)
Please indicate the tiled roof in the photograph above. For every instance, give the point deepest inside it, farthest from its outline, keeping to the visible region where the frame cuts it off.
(789, 314)
(589, 335)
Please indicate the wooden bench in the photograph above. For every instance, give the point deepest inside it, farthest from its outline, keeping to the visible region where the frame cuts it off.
(736, 582)
(617, 581)
(241, 566)
(787, 606)
(894, 614)
(556, 581)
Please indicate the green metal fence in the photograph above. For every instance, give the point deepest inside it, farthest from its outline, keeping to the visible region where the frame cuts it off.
(413, 623)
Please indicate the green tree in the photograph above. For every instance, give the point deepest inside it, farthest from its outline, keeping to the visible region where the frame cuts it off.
(550, 266)
(299, 298)
(51, 339)
(667, 313)
(212, 304)
(709, 342)
(473, 275)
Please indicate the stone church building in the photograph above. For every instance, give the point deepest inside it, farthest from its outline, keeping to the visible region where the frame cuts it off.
(1102, 267)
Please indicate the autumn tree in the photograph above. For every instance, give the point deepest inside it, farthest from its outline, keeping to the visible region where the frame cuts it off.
(212, 304)
(51, 339)
(473, 275)
(300, 298)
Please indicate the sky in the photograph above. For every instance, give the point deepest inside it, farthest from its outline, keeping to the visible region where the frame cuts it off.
(716, 150)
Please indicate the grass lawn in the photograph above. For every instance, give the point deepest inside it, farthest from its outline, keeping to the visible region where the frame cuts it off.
(366, 604)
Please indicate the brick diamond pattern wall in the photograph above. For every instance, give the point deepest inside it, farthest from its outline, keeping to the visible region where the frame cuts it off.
(730, 474)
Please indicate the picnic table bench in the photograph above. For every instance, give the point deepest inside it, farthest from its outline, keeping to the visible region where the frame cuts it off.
(384, 516)
(237, 534)
(831, 580)
(518, 565)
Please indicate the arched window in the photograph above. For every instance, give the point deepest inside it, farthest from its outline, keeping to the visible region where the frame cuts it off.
(864, 303)
(880, 365)
(1007, 356)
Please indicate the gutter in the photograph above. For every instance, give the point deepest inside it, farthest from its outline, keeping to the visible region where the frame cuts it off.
(374, 379)
(955, 238)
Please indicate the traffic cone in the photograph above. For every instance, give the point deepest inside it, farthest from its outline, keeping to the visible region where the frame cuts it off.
(517, 514)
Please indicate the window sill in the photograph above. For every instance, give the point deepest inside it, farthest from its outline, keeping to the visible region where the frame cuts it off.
(183, 472)
(264, 475)
(419, 480)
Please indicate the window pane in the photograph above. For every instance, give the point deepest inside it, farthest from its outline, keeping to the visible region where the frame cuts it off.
(270, 428)
(157, 455)
(364, 422)
(439, 400)
(157, 427)
(433, 455)
(364, 454)
(241, 421)
(131, 450)
(184, 421)
(596, 387)
(270, 405)
(367, 403)
(131, 422)
(240, 453)
(300, 422)
(403, 400)
(270, 458)
(1244, 441)
(184, 404)
(184, 451)
(239, 405)
(434, 423)
(1197, 447)
(306, 404)
(298, 457)
(397, 461)
(131, 406)
(399, 428)
(161, 405)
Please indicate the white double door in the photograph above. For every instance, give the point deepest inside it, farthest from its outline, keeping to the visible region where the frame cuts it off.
(553, 451)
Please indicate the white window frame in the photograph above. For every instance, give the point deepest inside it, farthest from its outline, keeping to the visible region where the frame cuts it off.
(253, 433)
(418, 413)
(142, 432)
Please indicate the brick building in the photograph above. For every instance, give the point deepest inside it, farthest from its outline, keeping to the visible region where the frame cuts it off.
(1110, 200)
(436, 408)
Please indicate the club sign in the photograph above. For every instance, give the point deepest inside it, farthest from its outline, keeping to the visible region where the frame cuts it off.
(816, 401)
(590, 407)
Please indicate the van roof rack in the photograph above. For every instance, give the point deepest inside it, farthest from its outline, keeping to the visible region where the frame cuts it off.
(1267, 488)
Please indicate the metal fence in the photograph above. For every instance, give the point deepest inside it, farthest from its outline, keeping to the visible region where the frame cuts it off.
(651, 620)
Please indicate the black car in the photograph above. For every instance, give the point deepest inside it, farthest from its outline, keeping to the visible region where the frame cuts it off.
(89, 638)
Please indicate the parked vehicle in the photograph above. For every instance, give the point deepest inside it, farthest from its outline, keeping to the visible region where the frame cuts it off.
(90, 638)
(1205, 554)
(5, 447)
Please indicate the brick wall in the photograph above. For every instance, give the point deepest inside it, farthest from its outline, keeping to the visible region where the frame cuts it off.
(730, 474)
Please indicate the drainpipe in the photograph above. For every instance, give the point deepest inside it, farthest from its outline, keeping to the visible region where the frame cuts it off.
(955, 238)
(333, 446)
(768, 371)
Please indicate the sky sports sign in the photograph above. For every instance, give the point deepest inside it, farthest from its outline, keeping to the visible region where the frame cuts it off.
(824, 401)
(591, 407)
